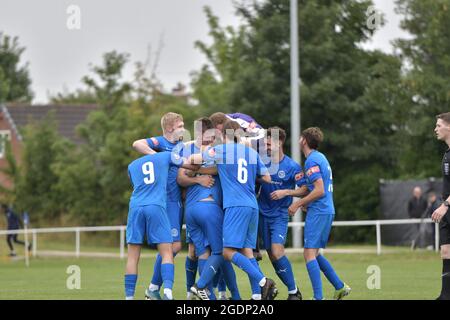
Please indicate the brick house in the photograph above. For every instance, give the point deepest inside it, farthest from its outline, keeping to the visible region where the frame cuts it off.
(14, 117)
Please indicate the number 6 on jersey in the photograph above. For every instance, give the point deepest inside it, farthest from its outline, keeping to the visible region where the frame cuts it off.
(242, 171)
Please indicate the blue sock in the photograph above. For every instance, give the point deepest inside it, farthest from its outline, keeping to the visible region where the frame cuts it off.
(191, 271)
(283, 269)
(201, 267)
(329, 272)
(157, 278)
(210, 269)
(244, 263)
(230, 278)
(212, 295)
(256, 289)
(167, 274)
(130, 284)
(314, 276)
(217, 279)
(222, 285)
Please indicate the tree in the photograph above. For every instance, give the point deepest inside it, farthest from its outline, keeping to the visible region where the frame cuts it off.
(78, 97)
(356, 96)
(15, 82)
(11, 172)
(92, 178)
(427, 65)
(35, 189)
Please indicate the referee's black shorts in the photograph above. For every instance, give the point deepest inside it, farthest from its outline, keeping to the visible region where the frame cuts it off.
(444, 229)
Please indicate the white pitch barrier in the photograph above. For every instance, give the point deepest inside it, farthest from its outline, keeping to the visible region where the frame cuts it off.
(122, 230)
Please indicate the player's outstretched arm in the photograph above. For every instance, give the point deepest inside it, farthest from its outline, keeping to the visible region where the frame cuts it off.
(316, 193)
(196, 159)
(212, 171)
(142, 146)
(303, 191)
(264, 179)
(184, 180)
(192, 163)
(280, 194)
(190, 166)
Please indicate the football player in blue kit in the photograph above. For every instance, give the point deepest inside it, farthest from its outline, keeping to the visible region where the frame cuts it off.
(147, 216)
(254, 137)
(273, 204)
(173, 129)
(204, 216)
(320, 213)
(186, 180)
(239, 166)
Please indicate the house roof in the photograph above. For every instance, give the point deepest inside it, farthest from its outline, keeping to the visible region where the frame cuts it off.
(67, 117)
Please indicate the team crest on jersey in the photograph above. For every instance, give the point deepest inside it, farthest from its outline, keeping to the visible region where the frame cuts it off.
(174, 232)
(211, 152)
(155, 141)
(281, 174)
(176, 156)
(299, 176)
(312, 170)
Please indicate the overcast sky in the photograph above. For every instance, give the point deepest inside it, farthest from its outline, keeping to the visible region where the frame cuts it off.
(60, 57)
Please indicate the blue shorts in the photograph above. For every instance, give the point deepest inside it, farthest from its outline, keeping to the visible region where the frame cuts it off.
(189, 238)
(175, 214)
(317, 230)
(149, 222)
(204, 220)
(273, 229)
(188, 234)
(240, 227)
(198, 250)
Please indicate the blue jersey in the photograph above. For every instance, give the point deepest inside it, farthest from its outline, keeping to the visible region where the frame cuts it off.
(148, 175)
(198, 192)
(318, 167)
(238, 167)
(162, 144)
(286, 174)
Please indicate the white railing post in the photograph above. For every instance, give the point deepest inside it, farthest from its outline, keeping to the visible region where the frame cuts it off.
(34, 245)
(122, 243)
(27, 256)
(378, 227)
(436, 237)
(77, 242)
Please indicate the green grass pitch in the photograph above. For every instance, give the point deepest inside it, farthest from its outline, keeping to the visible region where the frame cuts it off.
(406, 275)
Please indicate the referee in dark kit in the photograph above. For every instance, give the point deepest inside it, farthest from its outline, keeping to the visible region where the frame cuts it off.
(441, 215)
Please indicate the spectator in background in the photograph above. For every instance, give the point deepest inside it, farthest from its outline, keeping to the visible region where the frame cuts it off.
(416, 209)
(417, 204)
(14, 223)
